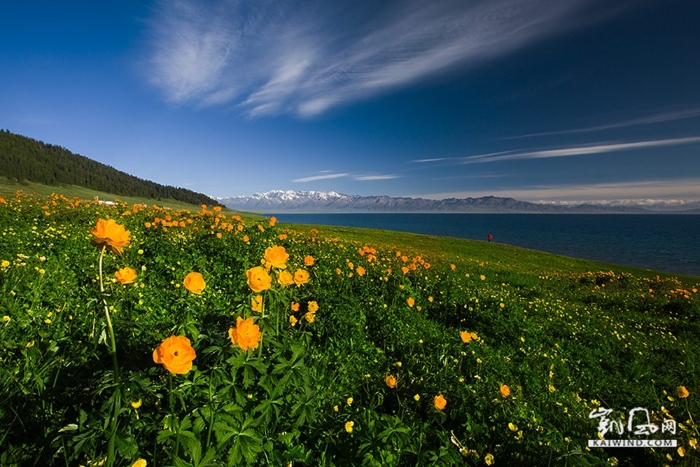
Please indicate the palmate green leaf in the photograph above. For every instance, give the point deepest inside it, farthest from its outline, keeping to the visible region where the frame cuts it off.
(247, 444)
(268, 409)
(249, 369)
(304, 409)
(126, 445)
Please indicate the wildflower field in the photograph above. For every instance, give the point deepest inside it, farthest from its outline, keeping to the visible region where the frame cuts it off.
(144, 336)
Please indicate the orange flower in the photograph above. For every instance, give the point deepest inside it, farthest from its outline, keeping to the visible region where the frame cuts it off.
(301, 277)
(258, 279)
(505, 391)
(309, 260)
(468, 336)
(411, 301)
(176, 354)
(276, 256)
(125, 275)
(256, 303)
(295, 306)
(360, 271)
(194, 282)
(313, 306)
(682, 392)
(285, 278)
(273, 221)
(310, 316)
(109, 234)
(439, 402)
(390, 381)
(246, 335)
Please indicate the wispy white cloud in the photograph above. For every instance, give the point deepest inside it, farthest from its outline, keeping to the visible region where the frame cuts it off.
(369, 178)
(659, 117)
(578, 150)
(307, 57)
(423, 161)
(322, 176)
(686, 189)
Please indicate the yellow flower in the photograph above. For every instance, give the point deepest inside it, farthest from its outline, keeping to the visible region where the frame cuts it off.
(440, 402)
(301, 277)
(682, 392)
(125, 275)
(552, 388)
(512, 427)
(194, 282)
(310, 317)
(5, 264)
(292, 320)
(139, 463)
(256, 303)
(488, 459)
(505, 391)
(246, 334)
(468, 336)
(416, 397)
(276, 256)
(309, 260)
(136, 404)
(348, 426)
(349, 401)
(108, 233)
(285, 278)
(335, 408)
(390, 381)
(681, 451)
(693, 443)
(258, 279)
(6, 319)
(176, 354)
(313, 306)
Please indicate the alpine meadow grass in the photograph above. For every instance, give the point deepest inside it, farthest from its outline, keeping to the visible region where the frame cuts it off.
(137, 335)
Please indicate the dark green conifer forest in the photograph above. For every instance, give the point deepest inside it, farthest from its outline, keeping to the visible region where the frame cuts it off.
(26, 159)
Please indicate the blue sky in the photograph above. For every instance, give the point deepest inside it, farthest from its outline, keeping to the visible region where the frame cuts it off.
(541, 100)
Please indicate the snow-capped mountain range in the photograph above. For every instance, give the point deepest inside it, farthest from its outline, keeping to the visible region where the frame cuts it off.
(279, 201)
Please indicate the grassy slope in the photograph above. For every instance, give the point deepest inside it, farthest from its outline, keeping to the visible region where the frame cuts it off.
(449, 248)
(498, 256)
(592, 331)
(9, 187)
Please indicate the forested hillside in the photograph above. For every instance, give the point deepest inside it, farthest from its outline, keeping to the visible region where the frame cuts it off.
(26, 159)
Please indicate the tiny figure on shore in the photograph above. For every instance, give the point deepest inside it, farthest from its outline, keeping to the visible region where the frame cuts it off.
(489, 237)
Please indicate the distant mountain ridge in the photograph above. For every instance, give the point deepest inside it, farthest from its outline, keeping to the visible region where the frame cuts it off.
(279, 201)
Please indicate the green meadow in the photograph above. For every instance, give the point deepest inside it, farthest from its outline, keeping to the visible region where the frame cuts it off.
(190, 336)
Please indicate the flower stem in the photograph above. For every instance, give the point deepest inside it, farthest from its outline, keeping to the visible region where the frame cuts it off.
(112, 433)
(112, 340)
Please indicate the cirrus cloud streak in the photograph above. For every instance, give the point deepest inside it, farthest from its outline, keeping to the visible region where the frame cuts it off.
(304, 58)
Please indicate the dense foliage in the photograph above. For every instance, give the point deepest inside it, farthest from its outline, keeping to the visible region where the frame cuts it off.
(135, 336)
(23, 158)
